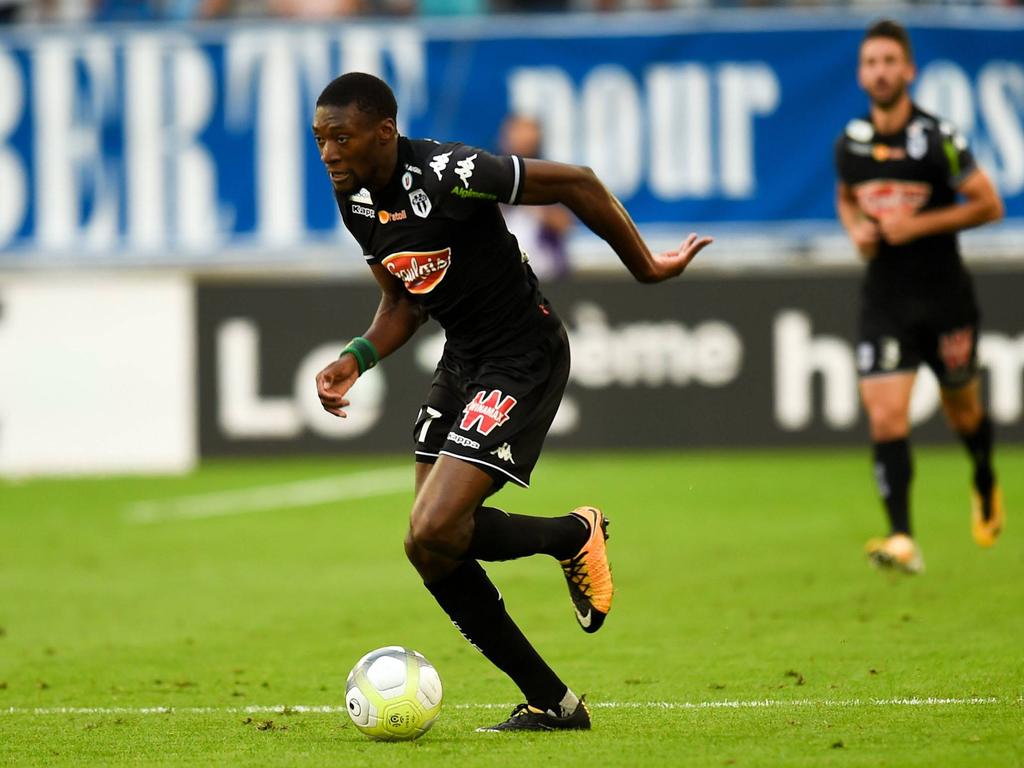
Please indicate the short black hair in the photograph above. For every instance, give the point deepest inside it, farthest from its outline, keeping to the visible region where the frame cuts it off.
(370, 94)
(891, 30)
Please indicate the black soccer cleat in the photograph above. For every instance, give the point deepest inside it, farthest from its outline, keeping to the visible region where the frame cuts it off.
(527, 718)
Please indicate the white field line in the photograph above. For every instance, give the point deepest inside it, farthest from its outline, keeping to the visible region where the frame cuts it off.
(281, 709)
(301, 493)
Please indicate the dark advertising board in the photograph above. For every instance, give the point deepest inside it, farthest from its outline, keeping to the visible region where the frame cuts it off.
(708, 360)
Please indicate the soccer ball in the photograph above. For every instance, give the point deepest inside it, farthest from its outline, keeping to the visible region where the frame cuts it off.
(393, 694)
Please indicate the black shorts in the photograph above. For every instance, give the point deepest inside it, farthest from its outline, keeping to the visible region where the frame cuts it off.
(941, 330)
(494, 412)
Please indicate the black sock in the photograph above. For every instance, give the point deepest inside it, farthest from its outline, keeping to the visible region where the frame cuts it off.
(979, 446)
(893, 473)
(478, 612)
(498, 535)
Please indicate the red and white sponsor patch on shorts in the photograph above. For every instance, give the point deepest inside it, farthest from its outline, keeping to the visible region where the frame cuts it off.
(487, 411)
(955, 348)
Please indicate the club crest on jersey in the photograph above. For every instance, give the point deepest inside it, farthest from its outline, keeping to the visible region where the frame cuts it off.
(917, 145)
(421, 271)
(487, 411)
(420, 203)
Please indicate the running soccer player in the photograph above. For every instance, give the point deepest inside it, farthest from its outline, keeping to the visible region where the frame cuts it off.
(902, 174)
(427, 218)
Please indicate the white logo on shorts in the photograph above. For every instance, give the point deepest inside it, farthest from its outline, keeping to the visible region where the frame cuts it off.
(504, 452)
(455, 437)
(890, 356)
(865, 356)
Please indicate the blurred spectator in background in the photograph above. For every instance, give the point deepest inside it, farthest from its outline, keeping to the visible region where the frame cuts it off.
(309, 9)
(77, 11)
(10, 10)
(316, 9)
(542, 230)
(451, 7)
(530, 6)
(51, 10)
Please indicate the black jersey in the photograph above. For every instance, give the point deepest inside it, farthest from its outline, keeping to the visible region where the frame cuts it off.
(916, 169)
(436, 226)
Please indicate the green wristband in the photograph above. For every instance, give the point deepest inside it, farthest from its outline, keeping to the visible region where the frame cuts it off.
(365, 354)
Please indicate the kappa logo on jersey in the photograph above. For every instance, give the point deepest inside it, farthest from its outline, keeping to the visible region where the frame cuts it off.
(362, 210)
(420, 203)
(487, 411)
(880, 197)
(421, 271)
(439, 162)
(464, 169)
(362, 196)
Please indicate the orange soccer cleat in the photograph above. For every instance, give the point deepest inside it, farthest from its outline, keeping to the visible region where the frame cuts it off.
(897, 552)
(588, 574)
(987, 529)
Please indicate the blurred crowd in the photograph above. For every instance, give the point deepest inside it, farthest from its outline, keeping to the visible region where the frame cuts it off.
(14, 11)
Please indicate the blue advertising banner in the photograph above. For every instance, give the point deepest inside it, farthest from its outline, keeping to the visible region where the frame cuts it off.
(174, 144)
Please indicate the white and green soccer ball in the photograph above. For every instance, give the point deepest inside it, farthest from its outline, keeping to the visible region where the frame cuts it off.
(393, 694)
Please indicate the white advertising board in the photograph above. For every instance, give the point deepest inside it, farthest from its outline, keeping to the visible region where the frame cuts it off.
(96, 374)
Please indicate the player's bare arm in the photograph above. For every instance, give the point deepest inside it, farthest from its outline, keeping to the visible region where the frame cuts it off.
(396, 320)
(862, 231)
(579, 190)
(981, 204)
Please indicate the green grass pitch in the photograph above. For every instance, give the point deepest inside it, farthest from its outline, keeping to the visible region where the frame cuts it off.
(747, 630)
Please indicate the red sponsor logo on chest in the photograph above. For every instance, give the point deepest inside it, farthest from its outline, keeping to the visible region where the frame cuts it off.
(885, 196)
(487, 411)
(421, 271)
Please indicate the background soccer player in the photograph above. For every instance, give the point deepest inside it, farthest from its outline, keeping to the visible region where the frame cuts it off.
(900, 173)
(427, 218)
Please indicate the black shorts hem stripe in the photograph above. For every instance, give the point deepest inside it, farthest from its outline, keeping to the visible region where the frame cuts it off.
(503, 471)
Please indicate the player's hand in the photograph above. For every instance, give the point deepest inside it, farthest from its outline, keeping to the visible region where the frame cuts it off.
(865, 236)
(334, 381)
(898, 228)
(672, 263)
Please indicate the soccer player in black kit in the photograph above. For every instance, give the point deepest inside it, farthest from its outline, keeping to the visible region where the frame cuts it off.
(902, 173)
(427, 218)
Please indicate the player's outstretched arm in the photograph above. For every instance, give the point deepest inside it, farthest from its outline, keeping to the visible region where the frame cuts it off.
(579, 190)
(396, 320)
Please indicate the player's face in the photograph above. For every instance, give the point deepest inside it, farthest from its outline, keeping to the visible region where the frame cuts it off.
(884, 71)
(354, 147)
